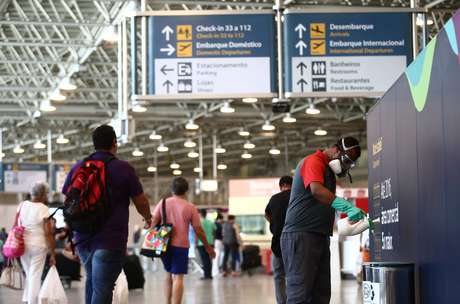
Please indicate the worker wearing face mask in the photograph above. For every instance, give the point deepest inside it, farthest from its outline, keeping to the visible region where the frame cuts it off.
(310, 218)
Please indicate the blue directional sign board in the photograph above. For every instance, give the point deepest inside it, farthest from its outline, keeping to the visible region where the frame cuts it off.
(342, 54)
(222, 55)
(19, 178)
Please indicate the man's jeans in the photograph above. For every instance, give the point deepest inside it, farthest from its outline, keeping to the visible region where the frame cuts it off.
(102, 270)
(280, 279)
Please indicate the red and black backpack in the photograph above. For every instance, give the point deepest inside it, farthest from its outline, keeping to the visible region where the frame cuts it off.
(87, 202)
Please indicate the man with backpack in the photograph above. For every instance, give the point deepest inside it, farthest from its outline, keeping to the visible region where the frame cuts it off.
(98, 191)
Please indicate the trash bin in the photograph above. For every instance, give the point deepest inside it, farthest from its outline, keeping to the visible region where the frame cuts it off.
(388, 283)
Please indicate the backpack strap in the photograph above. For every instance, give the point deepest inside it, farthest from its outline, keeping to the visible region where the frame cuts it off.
(163, 213)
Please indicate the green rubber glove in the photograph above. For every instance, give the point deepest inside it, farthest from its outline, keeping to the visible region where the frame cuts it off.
(342, 205)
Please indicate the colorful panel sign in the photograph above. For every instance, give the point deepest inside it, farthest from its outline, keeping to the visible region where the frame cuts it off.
(209, 56)
(413, 146)
(342, 54)
(59, 176)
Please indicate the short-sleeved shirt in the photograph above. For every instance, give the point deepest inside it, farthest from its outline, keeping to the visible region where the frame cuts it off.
(305, 213)
(209, 229)
(181, 214)
(276, 209)
(124, 184)
(32, 216)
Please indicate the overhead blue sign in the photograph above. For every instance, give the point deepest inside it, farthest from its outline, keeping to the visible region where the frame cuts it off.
(222, 55)
(342, 54)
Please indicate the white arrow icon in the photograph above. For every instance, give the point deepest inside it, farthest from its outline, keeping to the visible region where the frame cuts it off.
(300, 29)
(301, 46)
(167, 31)
(170, 50)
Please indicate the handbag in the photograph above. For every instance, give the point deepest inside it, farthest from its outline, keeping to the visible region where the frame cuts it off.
(121, 291)
(14, 246)
(12, 275)
(52, 291)
(156, 239)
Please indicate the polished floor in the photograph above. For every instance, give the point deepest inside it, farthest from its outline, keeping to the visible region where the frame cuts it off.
(255, 289)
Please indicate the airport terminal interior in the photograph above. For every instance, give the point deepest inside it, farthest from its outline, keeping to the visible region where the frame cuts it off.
(357, 98)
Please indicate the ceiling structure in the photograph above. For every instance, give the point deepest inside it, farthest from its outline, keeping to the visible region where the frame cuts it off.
(43, 42)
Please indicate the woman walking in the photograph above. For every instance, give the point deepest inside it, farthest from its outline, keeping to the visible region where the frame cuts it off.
(38, 239)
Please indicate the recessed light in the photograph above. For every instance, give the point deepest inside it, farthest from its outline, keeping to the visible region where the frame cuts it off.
(162, 148)
(246, 155)
(191, 125)
(222, 166)
(289, 119)
(189, 143)
(249, 100)
(320, 132)
(174, 165)
(220, 149)
(177, 172)
(249, 145)
(267, 126)
(138, 153)
(155, 136)
(62, 140)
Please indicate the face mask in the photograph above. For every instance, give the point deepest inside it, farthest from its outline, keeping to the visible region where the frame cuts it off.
(336, 167)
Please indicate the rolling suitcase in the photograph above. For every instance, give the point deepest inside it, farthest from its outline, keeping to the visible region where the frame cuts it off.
(251, 258)
(134, 272)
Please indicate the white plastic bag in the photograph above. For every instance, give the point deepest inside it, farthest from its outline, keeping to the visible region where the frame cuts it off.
(52, 291)
(120, 293)
(12, 276)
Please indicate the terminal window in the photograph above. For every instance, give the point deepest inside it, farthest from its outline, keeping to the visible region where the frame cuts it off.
(251, 224)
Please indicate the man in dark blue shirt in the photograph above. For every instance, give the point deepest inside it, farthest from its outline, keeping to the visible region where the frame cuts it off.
(102, 253)
(275, 213)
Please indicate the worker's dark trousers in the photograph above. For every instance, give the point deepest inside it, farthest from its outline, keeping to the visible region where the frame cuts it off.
(306, 259)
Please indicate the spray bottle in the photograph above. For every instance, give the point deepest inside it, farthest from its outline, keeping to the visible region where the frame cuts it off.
(347, 228)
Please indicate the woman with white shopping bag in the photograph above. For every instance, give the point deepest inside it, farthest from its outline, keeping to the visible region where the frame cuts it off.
(38, 239)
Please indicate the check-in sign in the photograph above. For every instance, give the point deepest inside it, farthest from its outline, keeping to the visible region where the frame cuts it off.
(212, 56)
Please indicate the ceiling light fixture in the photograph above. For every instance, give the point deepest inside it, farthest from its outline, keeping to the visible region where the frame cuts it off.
(137, 107)
(177, 172)
(162, 148)
(226, 108)
(220, 149)
(320, 132)
(197, 169)
(110, 34)
(222, 166)
(289, 119)
(62, 140)
(2, 154)
(249, 100)
(57, 96)
(244, 133)
(246, 155)
(274, 151)
(18, 149)
(249, 145)
(67, 84)
(38, 145)
(193, 154)
(189, 143)
(312, 110)
(267, 126)
(191, 125)
(47, 106)
(174, 165)
(152, 169)
(138, 153)
(155, 136)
